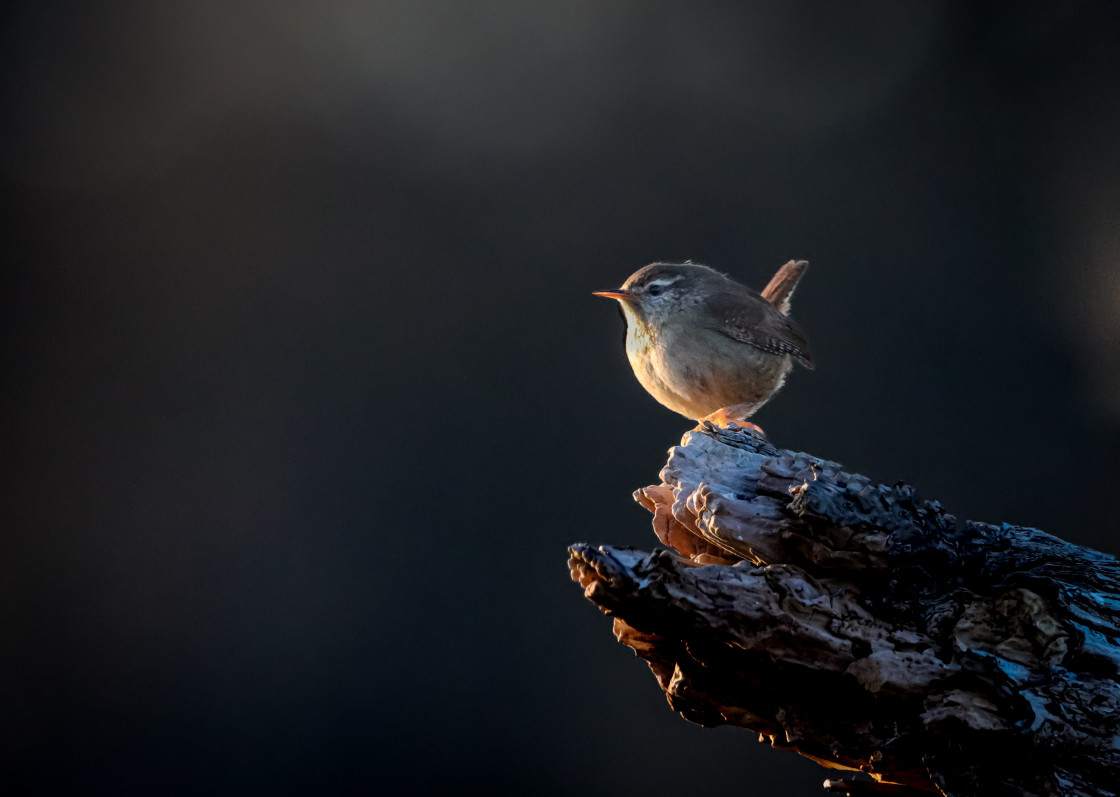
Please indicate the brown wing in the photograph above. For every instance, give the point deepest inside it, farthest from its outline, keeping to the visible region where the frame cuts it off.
(746, 317)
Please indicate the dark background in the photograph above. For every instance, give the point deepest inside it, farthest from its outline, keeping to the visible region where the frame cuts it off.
(306, 391)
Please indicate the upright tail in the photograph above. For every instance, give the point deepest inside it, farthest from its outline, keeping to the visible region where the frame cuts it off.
(780, 289)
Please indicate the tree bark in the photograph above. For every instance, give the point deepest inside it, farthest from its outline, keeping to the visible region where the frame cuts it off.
(868, 629)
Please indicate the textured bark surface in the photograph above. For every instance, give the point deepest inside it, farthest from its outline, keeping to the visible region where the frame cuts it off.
(868, 629)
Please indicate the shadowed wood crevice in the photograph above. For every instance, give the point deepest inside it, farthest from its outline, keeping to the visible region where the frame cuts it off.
(867, 628)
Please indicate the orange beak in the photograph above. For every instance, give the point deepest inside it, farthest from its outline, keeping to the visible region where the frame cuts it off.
(620, 294)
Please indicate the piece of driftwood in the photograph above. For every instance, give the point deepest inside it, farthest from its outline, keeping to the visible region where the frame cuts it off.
(868, 629)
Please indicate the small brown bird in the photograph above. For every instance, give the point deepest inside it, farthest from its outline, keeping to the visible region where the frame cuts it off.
(704, 345)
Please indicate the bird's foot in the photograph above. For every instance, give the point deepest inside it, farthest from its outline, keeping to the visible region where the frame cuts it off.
(721, 417)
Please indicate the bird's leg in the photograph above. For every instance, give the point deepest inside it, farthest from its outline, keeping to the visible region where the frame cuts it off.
(723, 417)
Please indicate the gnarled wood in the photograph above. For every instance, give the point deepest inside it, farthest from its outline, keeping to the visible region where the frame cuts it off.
(867, 628)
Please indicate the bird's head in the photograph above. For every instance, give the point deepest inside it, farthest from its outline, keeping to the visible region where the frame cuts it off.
(658, 290)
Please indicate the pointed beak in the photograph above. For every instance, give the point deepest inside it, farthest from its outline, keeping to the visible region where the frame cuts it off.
(620, 294)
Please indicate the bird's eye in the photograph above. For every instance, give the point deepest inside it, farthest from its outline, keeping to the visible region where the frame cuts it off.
(655, 289)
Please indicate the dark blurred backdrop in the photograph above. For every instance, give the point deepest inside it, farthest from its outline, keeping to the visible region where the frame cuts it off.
(306, 392)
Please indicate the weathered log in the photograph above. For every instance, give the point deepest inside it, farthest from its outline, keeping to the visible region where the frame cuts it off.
(867, 628)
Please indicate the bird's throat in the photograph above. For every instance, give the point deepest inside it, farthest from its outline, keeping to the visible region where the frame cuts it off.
(639, 339)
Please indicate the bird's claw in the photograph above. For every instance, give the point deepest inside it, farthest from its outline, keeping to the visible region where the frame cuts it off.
(721, 418)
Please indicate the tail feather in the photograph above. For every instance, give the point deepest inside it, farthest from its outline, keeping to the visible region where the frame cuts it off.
(782, 284)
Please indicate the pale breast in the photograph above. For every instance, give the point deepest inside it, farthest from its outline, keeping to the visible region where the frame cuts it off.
(647, 358)
(695, 375)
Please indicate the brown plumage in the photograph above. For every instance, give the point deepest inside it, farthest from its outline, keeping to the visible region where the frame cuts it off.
(780, 289)
(704, 345)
